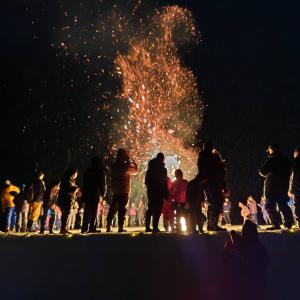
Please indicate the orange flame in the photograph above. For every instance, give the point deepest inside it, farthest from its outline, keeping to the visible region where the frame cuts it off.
(165, 109)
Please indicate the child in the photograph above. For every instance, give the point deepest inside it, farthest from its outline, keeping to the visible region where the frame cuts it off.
(245, 212)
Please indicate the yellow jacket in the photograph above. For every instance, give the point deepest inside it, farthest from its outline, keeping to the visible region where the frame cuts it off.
(7, 199)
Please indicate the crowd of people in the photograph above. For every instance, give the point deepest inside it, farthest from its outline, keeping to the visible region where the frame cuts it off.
(185, 205)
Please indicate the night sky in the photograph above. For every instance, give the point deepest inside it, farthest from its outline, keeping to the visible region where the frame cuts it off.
(247, 67)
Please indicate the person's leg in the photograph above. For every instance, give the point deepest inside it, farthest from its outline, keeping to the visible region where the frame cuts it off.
(93, 218)
(286, 211)
(297, 208)
(215, 200)
(64, 220)
(25, 212)
(123, 200)
(18, 220)
(148, 216)
(8, 216)
(86, 219)
(51, 220)
(13, 219)
(273, 213)
(112, 212)
(43, 220)
(157, 210)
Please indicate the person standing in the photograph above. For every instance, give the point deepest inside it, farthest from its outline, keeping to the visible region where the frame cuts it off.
(8, 193)
(94, 188)
(178, 194)
(132, 215)
(156, 181)
(168, 210)
(277, 170)
(212, 169)
(195, 198)
(22, 209)
(294, 191)
(121, 172)
(141, 213)
(50, 203)
(35, 194)
(264, 212)
(251, 203)
(245, 212)
(226, 211)
(69, 191)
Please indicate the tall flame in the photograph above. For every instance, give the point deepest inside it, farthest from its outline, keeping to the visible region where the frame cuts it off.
(164, 106)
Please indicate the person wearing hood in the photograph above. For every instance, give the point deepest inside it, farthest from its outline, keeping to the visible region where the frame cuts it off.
(94, 188)
(8, 193)
(121, 172)
(156, 181)
(277, 170)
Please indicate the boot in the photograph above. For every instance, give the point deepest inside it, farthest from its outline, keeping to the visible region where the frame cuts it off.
(108, 228)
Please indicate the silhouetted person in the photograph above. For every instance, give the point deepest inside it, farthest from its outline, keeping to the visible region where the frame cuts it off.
(35, 194)
(50, 202)
(195, 197)
(121, 172)
(277, 170)
(212, 169)
(67, 196)
(295, 182)
(256, 262)
(94, 187)
(246, 262)
(156, 181)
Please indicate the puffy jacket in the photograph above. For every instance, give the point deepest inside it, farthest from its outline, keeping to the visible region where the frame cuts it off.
(276, 170)
(121, 177)
(178, 190)
(295, 178)
(8, 195)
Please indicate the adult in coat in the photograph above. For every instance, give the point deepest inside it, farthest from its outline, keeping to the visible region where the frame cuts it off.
(212, 169)
(94, 188)
(156, 181)
(277, 170)
(121, 172)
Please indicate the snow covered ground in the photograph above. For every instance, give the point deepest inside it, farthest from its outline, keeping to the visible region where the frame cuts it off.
(133, 266)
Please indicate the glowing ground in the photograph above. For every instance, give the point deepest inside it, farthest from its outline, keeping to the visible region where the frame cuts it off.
(133, 265)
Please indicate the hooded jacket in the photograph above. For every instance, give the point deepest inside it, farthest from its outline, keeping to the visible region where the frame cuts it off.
(121, 177)
(7, 196)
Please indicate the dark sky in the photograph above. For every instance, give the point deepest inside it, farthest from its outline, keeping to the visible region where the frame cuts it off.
(247, 66)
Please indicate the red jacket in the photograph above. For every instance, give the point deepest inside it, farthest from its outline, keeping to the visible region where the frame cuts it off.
(178, 190)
